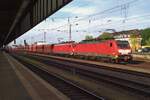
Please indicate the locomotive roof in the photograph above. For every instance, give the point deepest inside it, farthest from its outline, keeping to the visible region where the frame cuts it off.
(67, 42)
(94, 40)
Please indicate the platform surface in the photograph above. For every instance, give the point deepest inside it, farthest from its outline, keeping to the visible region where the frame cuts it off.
(10, 86)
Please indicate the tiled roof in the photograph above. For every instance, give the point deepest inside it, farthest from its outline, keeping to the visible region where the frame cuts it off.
(136, 31)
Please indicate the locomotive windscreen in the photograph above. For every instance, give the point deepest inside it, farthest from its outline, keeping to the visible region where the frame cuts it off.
(123, 44)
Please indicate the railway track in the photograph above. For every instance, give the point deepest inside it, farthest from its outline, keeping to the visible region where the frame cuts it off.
(68, 88)
(133, 81)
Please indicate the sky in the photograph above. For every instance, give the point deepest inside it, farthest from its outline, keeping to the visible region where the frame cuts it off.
(90, 17)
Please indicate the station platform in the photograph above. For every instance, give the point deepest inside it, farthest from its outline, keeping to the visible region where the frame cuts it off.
(10, 86)
(19, 83)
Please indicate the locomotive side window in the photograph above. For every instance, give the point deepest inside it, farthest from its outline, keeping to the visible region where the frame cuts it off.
(42, 47)
(111, 44)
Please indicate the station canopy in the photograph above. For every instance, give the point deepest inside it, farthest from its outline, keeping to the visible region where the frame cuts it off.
(18, 16)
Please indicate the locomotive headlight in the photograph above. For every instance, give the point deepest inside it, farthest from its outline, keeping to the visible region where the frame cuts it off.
(121, 51)
(116, 56)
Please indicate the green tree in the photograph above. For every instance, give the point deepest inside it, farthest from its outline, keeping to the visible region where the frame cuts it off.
(106, 36)
(133, 41)
(145, 36)
(88, 37)
(148, 41)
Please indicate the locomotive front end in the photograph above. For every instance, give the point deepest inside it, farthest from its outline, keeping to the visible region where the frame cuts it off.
(124, 51)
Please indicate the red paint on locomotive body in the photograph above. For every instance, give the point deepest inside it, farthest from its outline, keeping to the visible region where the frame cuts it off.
(105, 48)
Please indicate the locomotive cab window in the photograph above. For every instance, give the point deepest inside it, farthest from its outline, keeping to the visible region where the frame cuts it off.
(123, 44)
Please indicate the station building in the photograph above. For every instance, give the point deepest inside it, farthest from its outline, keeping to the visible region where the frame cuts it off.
(132, 36)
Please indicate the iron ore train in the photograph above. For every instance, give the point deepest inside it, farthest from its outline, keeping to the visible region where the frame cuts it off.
(112, 50)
